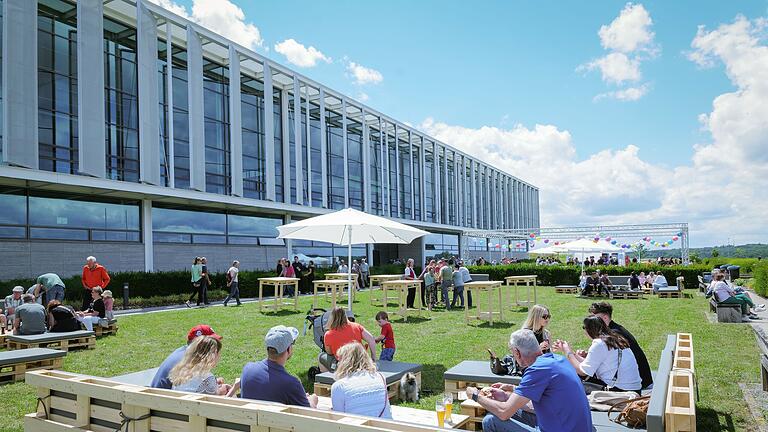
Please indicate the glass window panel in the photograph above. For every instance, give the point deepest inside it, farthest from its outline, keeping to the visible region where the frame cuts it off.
(186, 221)
(267, 241)
(14, 209)
(243, 240)
(161, 237)
(253, 225)
(58, 234)
(208, 239)
(13, 232)
(54, 212)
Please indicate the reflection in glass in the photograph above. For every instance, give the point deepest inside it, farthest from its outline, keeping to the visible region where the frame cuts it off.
(216, 117)
(254, 159)
(54, 212)
(335, 160)
(355, 163)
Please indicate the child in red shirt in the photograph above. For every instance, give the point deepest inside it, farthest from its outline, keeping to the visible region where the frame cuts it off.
(387, 337)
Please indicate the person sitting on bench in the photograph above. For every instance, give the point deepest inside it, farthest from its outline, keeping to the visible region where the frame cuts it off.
(606, 283)
(61, 318)
(161, 379)
(634, 282)
(359, 388)
(723, 293)
(592, 284)
(193, 372)
(12, 301)
(268, 380)
(659, 283)
(341, 332)
(96, 312)
(30, 317)
(604, 311)
(549, 384)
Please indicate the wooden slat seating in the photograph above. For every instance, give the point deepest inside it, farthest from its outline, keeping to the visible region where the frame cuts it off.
(626, 294)
(680, 408)
(726, 312)
(566, 289)
(762, 343)
(72, 402)
(600, 420)
(62, 341)
(703, 286)
(105, 327)
(619, 282)
(673, 291)
(473, 373)
(14, 364)
(391, 370)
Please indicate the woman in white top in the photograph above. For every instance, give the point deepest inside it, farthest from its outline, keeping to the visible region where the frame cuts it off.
(359, 388)
(193, 372)
(609, 361)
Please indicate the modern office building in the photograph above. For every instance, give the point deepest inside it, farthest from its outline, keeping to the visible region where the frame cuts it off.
(137, 136)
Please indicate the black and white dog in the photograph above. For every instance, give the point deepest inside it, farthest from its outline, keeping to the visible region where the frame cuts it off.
(409, 388)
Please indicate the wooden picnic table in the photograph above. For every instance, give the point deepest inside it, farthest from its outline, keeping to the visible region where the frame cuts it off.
(279, 283)
(344, 276)
(411, 415)
(402, 286)
(381, 279)
(527, 280)
(484, 286)
(336, 287)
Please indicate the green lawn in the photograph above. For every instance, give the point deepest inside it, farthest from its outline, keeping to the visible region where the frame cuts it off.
(725, 355)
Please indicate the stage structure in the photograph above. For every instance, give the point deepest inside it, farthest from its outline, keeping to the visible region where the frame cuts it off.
(635, 232)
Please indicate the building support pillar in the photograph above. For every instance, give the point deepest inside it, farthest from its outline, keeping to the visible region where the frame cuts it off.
(345, 152)
(149, 115)
(235, 124)
(169, 104)
(297, 144)
(196, 116)
(146, 235)
(323, 149)
(269, 134)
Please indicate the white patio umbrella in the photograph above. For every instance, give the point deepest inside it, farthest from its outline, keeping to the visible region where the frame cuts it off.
(585, 245)
(549, 250)
(348, 227)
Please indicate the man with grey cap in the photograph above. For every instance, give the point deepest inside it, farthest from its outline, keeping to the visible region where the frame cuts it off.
(9, 306)
(268, 380)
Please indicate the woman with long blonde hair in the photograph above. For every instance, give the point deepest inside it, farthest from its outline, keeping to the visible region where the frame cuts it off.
(537, 321)
(193, 372)
(359, 387)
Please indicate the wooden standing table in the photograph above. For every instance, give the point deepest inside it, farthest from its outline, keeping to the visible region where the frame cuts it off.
(483, 286)
(402, 286)
(381, 279)
(526, 280)
(335, 286)
(343, 276)
(279, 283)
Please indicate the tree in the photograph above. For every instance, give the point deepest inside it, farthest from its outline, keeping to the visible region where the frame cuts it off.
(640, 250)
(715, 253)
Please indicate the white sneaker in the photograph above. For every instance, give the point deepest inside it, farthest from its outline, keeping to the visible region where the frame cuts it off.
(760, 308)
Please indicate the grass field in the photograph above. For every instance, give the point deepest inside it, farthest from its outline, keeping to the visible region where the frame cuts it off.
(725, 355)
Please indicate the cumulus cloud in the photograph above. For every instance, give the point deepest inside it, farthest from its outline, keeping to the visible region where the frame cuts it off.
(363, 96)
(300, 55)
(629, 41)
(627, 94)
(220, 16)
(363, 75)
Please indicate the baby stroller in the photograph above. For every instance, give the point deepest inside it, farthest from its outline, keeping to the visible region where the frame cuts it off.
(317, 320)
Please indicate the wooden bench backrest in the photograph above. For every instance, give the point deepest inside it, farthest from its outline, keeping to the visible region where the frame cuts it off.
(658, 402)
(476, 277)
(96, 404)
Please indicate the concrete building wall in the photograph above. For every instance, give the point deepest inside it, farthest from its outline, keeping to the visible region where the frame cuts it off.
(24, 259)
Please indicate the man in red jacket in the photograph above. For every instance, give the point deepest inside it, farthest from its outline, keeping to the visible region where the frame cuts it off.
(94, 275)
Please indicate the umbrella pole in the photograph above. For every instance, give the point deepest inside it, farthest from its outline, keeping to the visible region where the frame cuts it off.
(349, 268)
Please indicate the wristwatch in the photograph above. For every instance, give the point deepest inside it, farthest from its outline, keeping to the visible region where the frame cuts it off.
(474, 396)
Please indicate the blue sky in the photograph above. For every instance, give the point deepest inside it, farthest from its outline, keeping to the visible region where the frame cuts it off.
(487, 73)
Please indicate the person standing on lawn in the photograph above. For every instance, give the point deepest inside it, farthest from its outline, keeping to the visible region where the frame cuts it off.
(364, 272)
(233, 283)
(197, 276)
(94, 275)
(205, 282)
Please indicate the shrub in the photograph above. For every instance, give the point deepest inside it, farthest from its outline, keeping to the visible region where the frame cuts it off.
(760, 273)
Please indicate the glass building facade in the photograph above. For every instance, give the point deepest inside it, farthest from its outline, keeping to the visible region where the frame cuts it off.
(193, 121)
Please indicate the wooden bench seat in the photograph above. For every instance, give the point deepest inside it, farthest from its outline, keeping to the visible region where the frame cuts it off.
(14, 364)
(106, 327)
(391, 370)
(626, 294)
(566, 289)
(63, 341)
(473, 373)
(726, 312)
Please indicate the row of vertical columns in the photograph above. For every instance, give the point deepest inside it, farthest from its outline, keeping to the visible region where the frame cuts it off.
(366, 164)
(422, 179)
(345, 150)
(323, 150)
(410, 162)
(383, 172)
(398, 183)
(299, 166)
(285, 147)
(90, 90)
(308, 131)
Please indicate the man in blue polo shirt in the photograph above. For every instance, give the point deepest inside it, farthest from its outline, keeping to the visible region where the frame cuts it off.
(161, 379)
(555, 391)
(268, 380)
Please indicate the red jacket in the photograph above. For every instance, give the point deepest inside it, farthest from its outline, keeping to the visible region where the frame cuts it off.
(96, 277)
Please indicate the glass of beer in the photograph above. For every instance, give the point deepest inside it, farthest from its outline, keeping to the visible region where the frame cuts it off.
(448, 402)
(440, 410)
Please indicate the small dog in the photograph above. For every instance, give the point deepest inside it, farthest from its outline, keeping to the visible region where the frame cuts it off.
(409, 388)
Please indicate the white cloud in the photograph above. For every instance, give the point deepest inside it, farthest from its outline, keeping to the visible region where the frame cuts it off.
(722, 191)
(364, 75)
(627, 94)
(363, 97)
(629, 41)
(220, 16)
(629, 32)
(616, 68)
(300, 55)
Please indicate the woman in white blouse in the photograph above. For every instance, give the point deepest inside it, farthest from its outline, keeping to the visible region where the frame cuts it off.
(359, 387)
(609, 361)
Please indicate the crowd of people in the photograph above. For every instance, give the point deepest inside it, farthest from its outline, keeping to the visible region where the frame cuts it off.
(724, 292)
(551, 393)
(358, 388)
(39, 309)
(600, 283)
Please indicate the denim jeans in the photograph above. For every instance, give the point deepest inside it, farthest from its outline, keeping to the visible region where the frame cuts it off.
(56, 292)
(444, 285)
(458, 293)
(520, 422)
(387, 354)
(234, 293)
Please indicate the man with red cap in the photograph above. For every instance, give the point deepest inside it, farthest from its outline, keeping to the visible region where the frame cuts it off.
(161, 379)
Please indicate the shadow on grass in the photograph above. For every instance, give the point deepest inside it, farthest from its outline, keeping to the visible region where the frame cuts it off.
(496, 325)
(412, 320)
(432, 381)
(710, 420)
(281, 312)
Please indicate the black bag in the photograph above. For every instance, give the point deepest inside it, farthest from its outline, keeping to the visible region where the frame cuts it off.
(504, 366)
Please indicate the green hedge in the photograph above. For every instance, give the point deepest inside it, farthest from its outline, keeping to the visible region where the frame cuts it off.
(760, 273)
(569, 274)
(747, 264)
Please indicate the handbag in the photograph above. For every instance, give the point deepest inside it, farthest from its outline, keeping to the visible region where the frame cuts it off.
(498, 367)
(634, 413)
(602, 400)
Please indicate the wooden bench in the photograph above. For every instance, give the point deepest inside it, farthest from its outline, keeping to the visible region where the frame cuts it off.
(619, 281)
(80, 403)
(626, 294)
(14, 364)
(105, 327)
(669, 293)
(600, 420)
(61, 341)
(473, 373)
(391, 370)
(566, 289)
(762, 343)
(680, 408)
(726, 312)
